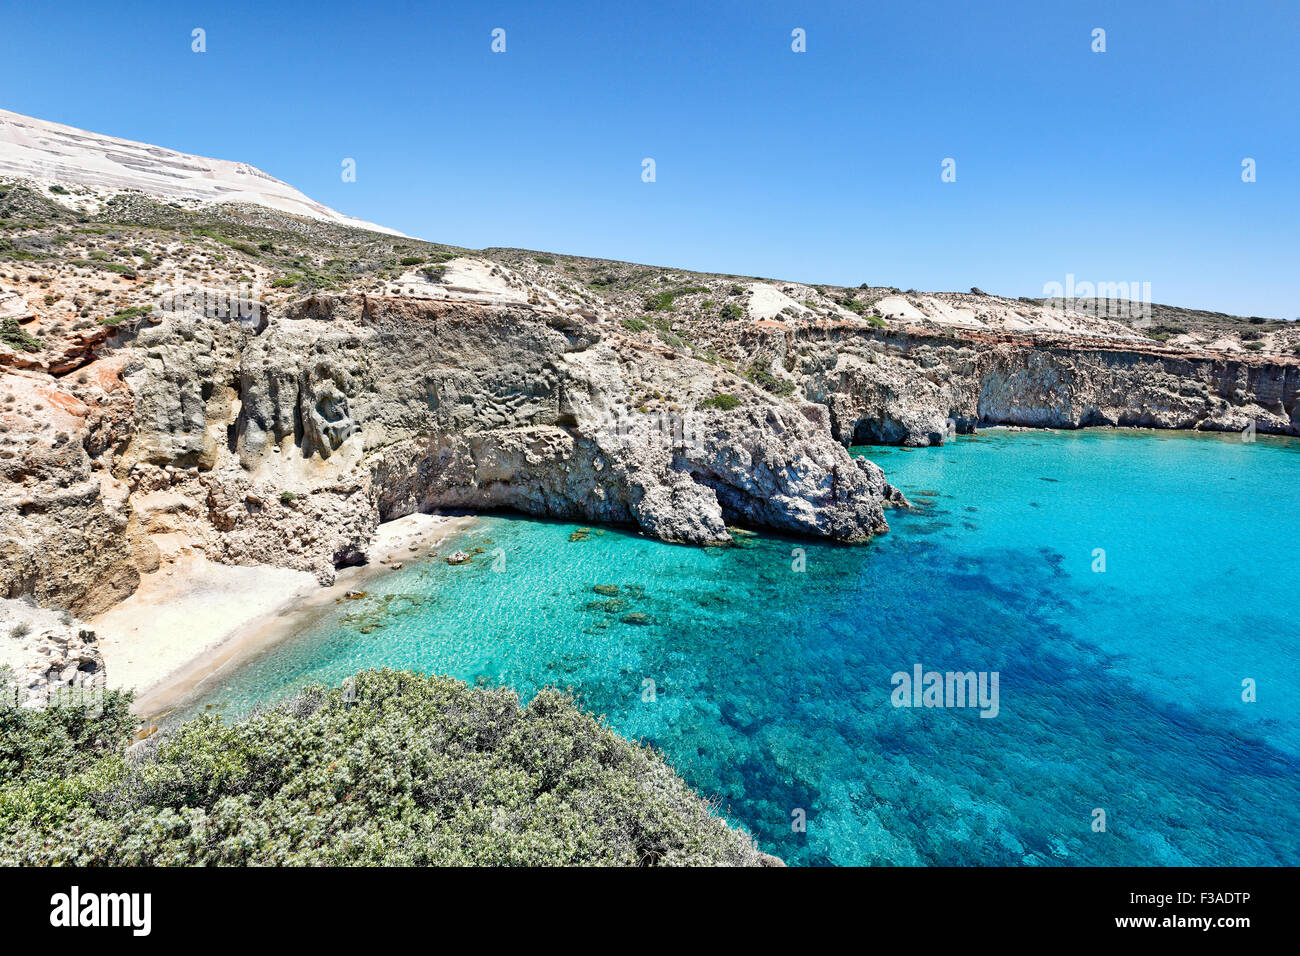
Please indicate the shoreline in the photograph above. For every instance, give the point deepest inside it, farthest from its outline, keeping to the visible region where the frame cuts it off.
(1221, 434)
(195, 619)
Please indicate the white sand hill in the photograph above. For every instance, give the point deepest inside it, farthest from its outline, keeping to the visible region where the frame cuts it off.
(51, 152)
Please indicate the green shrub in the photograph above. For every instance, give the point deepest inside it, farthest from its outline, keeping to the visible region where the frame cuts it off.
(724, 401)
(849, 300)
(17, 338)
(23, 255)
(635, 325)
(399, 769)
(663, 301)
(122, 270)
(122, 315)
(48, 756)
(660, 302)
(764, 379)
(731, 311)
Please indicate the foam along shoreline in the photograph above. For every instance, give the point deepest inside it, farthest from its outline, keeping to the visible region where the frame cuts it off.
(194, 618)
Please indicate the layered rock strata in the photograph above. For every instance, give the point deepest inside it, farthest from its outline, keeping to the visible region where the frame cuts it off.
(285, 441)
(917, 387)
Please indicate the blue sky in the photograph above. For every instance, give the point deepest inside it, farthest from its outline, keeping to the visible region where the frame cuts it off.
(822, 166)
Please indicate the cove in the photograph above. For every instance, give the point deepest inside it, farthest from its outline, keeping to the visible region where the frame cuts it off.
(1119, 690)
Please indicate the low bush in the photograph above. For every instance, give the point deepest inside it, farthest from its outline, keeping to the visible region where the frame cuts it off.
(18, 338)
(117, 318)
(764, 379)
(393, 769)
(724, 401)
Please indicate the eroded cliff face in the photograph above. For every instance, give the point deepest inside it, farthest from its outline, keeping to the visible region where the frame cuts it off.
(285, 440)
(144, 416)
(66, 532)
(916, 387)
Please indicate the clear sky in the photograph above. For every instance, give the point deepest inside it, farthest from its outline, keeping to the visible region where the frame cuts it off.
(822, 166)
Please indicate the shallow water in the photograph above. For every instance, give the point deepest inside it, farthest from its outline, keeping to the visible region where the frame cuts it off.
(1119, 690)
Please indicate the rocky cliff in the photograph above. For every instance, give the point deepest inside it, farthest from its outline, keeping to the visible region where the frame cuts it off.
(917, 386)
(286, 438)
(266, 389)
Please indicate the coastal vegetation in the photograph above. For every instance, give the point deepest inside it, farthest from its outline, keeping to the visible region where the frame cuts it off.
(764, 379)
(725, 401)
(16, 337)
(393, 768)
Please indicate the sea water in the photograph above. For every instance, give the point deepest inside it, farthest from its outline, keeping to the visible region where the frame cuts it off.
(1133, 592)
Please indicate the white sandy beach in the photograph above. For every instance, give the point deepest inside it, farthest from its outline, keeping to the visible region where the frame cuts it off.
(194, 617)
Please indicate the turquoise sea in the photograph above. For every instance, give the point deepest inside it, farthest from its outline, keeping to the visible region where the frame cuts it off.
(1119, 689)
